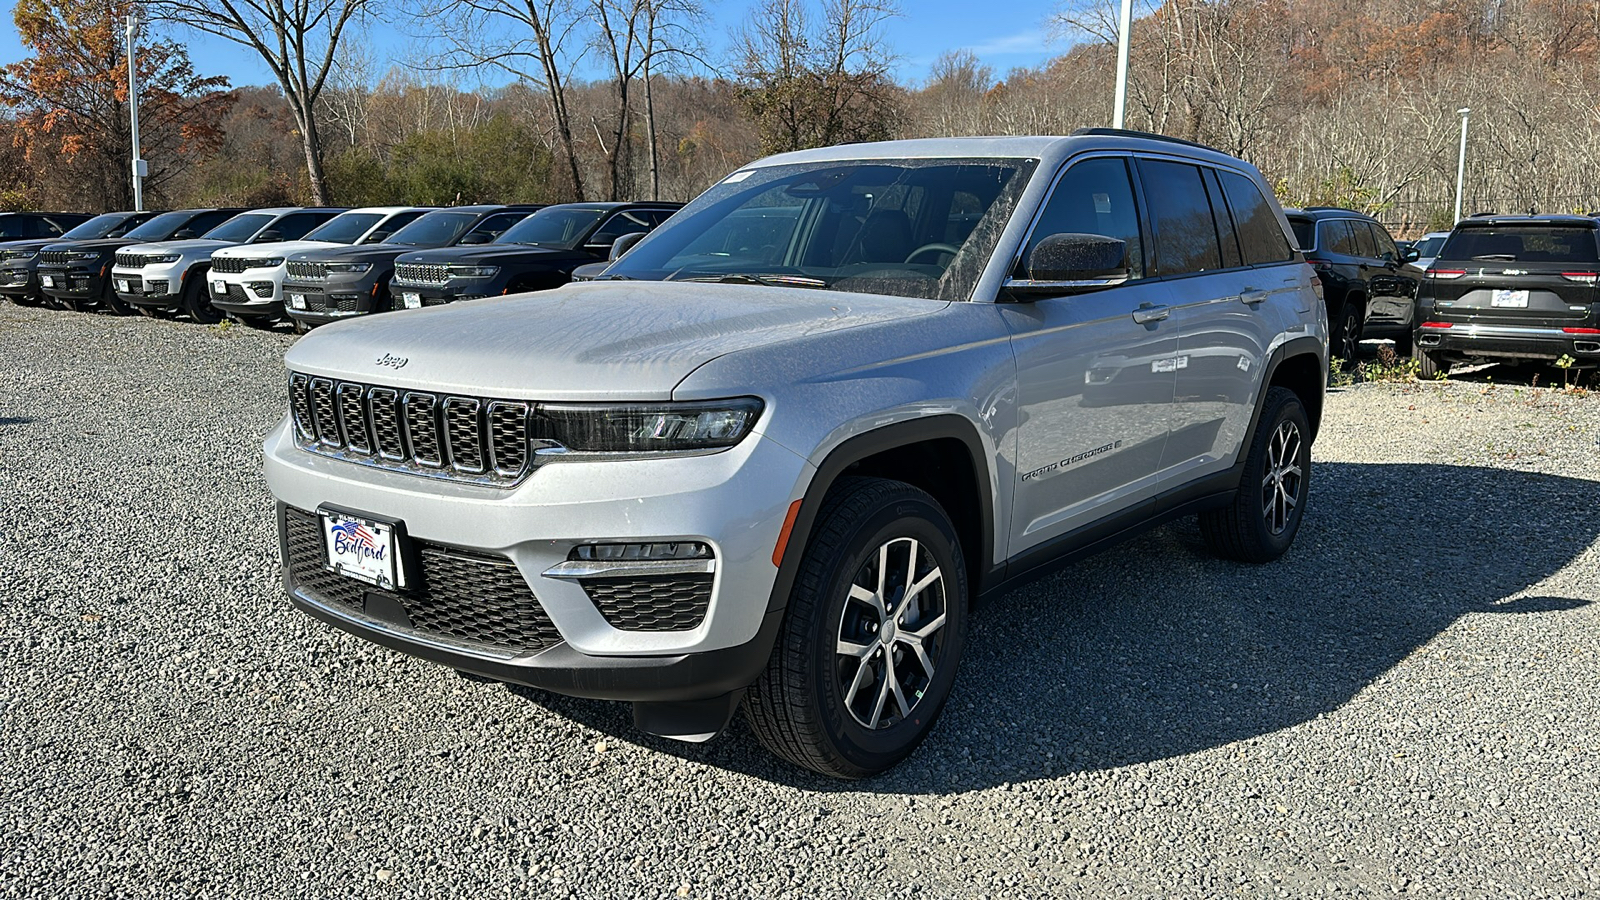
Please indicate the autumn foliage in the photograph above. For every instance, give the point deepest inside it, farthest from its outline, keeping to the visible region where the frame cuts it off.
(68, 114)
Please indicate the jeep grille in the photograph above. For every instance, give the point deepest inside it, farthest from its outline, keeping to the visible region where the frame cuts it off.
(313, 270)
(421, 273)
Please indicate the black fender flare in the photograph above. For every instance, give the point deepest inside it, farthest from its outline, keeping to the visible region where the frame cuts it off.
(1306, 345)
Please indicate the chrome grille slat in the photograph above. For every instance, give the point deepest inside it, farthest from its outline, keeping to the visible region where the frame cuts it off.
(297, 269)
(54, 257)
(422, 429)
(353, 416)
(229, 265)
(472, 439)
(464, 434)
(421, 273)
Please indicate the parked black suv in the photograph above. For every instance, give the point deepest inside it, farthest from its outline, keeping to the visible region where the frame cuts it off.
(1512, 287)
(23, 226)
(19, 260)
(78, 273)
(1368, 293)
(535, 254)
(325, 285)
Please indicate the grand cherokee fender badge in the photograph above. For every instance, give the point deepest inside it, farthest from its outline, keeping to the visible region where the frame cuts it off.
(1060, 464)
(393, 362)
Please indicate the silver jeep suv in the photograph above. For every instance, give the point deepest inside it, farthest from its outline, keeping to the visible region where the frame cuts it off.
(780, 450)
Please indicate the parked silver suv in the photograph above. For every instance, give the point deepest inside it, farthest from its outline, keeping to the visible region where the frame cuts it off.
(778, 452)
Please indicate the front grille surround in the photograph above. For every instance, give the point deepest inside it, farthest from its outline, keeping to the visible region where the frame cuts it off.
(55, 257)
(462, 438)
(421, 273)
(474, 600)
(127, 260)
(315, 271)
(233, 265)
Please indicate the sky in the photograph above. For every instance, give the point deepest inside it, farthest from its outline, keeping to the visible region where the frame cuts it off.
(1010, 35)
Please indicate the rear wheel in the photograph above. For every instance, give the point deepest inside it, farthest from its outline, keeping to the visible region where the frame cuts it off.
(1264, 516)
(1430, 367)
(872, 634)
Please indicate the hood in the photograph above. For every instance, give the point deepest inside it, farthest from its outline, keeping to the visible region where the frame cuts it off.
(496, 253)
(105, 245)
(606, 340)
(276, 248)
(372, 253)
(189, 248)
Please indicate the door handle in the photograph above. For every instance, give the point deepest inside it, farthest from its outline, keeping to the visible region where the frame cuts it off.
(1251, 296)
(1147, 313)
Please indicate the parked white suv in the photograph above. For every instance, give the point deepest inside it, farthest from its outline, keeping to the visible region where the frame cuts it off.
(783, 446)
(246, 282)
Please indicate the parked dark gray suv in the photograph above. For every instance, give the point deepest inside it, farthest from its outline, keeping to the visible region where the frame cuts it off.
(784, 444)
(1365, 284)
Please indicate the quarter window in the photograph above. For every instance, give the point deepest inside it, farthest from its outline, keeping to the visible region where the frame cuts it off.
(1228, 240)
(1093, 197)
(1260, 236)
(1186, 232)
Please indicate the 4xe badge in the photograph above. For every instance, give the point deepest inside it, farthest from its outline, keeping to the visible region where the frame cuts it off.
(392, 361)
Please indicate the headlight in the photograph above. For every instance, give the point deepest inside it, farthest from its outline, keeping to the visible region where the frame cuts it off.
(160, 258)
(348, 268)
(271, 262)
(474, 271)
(82, 255)
(643, 428)
(19, 254)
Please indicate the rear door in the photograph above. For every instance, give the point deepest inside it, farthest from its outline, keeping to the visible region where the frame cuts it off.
(1537, 274)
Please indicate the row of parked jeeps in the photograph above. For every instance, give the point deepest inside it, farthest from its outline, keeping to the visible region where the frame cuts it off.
(313, 265)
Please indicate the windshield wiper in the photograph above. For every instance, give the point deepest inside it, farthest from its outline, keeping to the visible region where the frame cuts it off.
(1508, 257)
(768, 280)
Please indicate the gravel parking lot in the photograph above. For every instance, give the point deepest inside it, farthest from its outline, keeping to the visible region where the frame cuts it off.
(1409, 702)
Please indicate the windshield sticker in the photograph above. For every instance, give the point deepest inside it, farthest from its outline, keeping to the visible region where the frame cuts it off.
(737, 177)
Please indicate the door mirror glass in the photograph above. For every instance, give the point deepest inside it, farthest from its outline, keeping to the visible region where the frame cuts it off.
(268, 236)
(478, 237)
(623, 244)
(183, 234)
(1412, 255)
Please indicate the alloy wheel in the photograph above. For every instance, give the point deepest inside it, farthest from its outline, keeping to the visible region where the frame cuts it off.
(1280, 486)
(890, 639)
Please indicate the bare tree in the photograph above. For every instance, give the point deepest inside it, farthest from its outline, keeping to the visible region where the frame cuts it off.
(297, 39)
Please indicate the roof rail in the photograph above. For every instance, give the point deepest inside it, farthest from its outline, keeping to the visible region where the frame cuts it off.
(1146, 135)
(1334, 209)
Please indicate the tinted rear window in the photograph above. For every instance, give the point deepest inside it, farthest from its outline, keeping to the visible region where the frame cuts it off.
(1524, 243)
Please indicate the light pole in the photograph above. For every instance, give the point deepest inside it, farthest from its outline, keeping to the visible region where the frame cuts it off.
(139, 168)
(1124, 36)
(1461, 159)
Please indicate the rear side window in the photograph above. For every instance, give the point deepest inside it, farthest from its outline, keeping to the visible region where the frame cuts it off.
(1523, 243)
(1186, 233)
(1260, 236)
(1093, 197)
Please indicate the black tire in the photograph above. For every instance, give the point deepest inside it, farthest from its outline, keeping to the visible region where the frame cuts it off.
(111, 303)
(1344, 338)
(1403, 345)
(1261, 521)
(150, 312)
(26, 299)
(1430, 367)
(262, 322)
(801, 707)
(196, 300)
(300, 327)
(53, 302)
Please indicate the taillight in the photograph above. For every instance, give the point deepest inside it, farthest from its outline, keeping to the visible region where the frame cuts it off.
(1321, 265)
(1447, 273)
(1582, 277)
(1581, 330)
(1436, 324)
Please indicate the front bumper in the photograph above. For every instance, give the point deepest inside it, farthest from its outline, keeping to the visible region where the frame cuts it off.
(441, 294)
(253, 292)
(334, 299)
(153, 287)
(18, 281)
(74, 283)
(733, 501)
(1467, 341)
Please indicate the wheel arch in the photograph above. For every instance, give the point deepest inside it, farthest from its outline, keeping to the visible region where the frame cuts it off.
(1299, 365)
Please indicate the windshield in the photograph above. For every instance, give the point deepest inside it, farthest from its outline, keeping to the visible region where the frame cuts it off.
(1428, 248)
(1304, 232)
(345, 228)
(97, 227)
(1524, 243)
(239, 228)
(912, 228)
(552, 227)
(161, 227)
(435, 229)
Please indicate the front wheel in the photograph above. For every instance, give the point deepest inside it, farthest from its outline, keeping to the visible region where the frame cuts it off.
(1261, 521)
(872, 634)
(196, 300)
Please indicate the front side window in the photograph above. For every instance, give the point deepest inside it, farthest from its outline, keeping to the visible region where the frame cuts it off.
(1261, 238)
(878, 226)
(108, 225)
(1186, 232)
(492, 227)
(1093, 197)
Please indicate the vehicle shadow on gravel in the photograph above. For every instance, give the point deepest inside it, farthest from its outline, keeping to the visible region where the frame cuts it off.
(1155, 649)
(15, 420)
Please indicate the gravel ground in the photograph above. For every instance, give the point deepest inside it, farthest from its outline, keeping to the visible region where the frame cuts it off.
(1408, 702)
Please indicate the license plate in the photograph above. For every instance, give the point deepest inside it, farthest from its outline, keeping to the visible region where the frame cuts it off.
(122, 285)
(412, 299)
(297, 301)
(47, 280)
(1510, 299)
(219, 287)
(363, 549)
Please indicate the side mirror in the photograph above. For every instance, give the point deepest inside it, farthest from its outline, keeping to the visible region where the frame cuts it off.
(478, 237)
(377, 237)
(1072, 263)
(271, 235)
(589, 271)
(625, 243)
(1411, 255)
(184, 234)
(601, 242)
